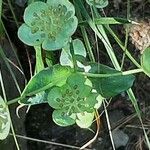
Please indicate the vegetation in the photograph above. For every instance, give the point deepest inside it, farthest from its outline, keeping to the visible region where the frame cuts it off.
(78, 86)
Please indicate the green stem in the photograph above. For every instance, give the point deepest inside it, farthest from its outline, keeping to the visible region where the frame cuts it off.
(12, 11)
(134, 71)
(39, 61)
(14, 135)
(5, 99)
(15, 100)
(73, 56)
(85, 36)
(122, 47)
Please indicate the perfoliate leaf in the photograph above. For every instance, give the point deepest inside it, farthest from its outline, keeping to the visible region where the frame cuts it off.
(45, 79)
(4, 120)
(49, 24)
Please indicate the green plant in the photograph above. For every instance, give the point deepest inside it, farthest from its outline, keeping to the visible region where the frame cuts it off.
(51, 25)
(76, 87)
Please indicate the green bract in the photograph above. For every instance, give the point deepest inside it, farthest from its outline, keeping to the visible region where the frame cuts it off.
(98, 3)
(71, 99)
(50, 24)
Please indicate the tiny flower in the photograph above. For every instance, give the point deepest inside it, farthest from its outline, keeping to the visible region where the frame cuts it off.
(140, 35)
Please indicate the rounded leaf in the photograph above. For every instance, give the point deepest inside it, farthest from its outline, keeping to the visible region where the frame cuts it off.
(25, 35)
(33, 12)
(145, 61)
(55, 98)
(62, 119)
(84, 120)
(51, 23)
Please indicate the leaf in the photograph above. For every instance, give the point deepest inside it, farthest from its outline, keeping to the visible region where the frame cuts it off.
(54, 98)
(111, 20)
(110, 86)
(38, 99)
(79, 50)
(45, 79)
(62, 119)
(50, 24)
(84, 120)
(145, 61)
(4, 120)
(26, 36)
(98, 3)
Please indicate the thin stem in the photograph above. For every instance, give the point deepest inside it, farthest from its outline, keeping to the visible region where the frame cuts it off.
(48, 142)
(127, 34)
(122, 47)
(5, 99)
(13, 101)
(85, 36)
(14, 135)
(134, 71)
(2, 54)
(109, 126)
(73, 56)
(39, 60)
(12, 11)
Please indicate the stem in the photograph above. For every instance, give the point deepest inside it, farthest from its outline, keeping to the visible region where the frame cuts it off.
(112, 74)
(12, 11)
(85, 36)
(13, 101)
(14, 135)
(5, 99)
(73, 56)
(39, 61)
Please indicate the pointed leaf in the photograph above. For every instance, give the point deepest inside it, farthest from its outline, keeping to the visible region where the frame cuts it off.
(44, 80)
(110, 86)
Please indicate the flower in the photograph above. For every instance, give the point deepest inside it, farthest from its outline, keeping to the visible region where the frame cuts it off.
(140, 35)
(48, 24)
(72, 98)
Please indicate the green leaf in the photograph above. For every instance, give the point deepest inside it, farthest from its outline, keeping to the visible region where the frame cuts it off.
(50, 24)
(79, 50)
(45, 79)
(98, 3)
(4, 120)
(110, 86)
(55, 97)
(84, 120)
(62, 119)
(111, 20)
(145, 61)
(38, 98)
(25, 35)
